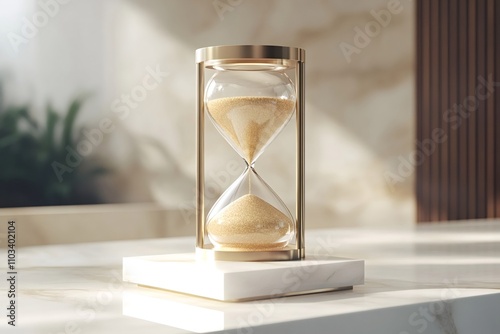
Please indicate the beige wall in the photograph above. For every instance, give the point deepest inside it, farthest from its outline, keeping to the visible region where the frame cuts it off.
(359, 110)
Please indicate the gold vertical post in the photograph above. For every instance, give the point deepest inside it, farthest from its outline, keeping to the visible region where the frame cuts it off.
(300, 156)
(200, 156)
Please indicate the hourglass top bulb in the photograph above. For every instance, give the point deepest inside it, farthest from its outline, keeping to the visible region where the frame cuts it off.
(250, 108)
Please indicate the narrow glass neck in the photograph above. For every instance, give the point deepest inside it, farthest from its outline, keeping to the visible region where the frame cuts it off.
(249, 165)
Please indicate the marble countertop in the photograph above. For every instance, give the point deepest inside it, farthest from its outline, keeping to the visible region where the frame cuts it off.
(441, 278)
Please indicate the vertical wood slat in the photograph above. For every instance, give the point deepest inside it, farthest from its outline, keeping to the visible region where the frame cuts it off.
(424, 181)
(471, 111)
(458, 47)
(453, 198)
(418, 99)
(426, 104)
(497, 107)
(434, 109)
(444, 172)
(490, 112)
(480, 111)
(462, 93)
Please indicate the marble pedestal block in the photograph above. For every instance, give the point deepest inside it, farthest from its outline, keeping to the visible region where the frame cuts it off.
(241, 281)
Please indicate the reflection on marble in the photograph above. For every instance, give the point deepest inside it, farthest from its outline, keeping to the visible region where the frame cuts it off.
(145, 304)
(431, 279)
(398, 315)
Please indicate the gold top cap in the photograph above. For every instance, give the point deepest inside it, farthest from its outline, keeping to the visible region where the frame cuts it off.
(232, 56)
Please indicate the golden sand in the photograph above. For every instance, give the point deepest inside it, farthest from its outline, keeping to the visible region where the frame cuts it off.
(251, 122)
(249, 223)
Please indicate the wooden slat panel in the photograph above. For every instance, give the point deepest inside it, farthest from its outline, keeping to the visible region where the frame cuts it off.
(458, 49)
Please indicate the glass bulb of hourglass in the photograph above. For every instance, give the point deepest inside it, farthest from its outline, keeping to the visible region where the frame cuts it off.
(250, 108)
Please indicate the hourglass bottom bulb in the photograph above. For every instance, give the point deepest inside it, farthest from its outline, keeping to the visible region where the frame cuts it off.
(249, 223)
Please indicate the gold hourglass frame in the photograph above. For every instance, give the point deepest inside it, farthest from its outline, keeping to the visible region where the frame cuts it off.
(248, 56)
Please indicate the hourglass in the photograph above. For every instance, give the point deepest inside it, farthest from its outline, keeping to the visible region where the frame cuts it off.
(250, 93)
(247, 94)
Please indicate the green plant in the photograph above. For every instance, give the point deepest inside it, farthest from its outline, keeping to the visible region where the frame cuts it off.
(27, 151)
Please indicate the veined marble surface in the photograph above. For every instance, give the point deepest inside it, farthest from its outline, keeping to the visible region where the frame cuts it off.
(429, 279)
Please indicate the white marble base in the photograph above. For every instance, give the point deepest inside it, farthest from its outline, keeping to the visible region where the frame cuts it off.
(239, 281)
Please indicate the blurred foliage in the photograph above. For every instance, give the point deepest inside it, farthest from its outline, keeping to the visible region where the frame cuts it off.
(27, 153)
